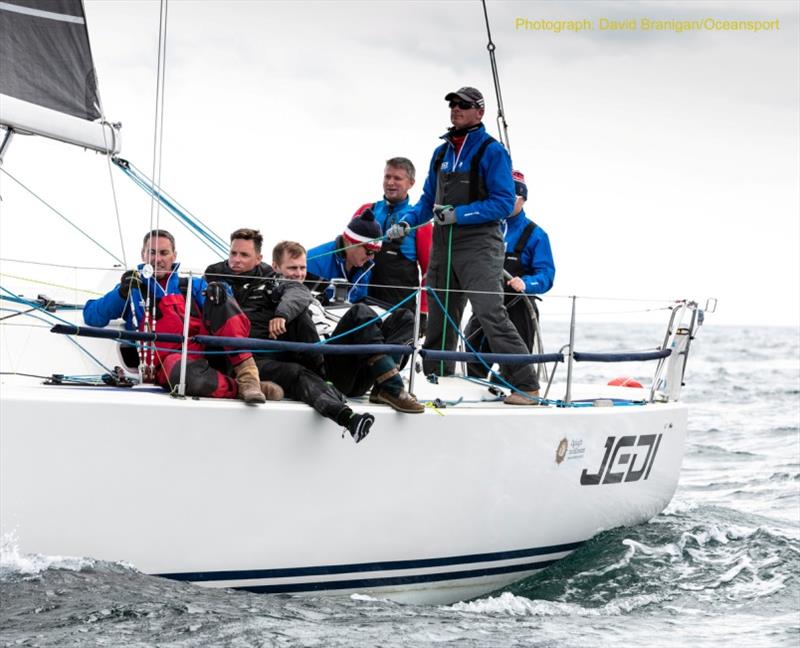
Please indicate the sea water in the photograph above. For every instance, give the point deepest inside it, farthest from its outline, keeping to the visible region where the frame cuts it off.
(719, 567)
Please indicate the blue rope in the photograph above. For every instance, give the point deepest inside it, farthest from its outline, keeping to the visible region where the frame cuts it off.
(478, 355)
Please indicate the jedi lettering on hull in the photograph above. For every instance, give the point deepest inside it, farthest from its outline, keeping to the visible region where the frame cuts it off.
(613, 466)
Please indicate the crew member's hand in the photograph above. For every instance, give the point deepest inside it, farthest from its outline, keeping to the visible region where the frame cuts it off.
(216, 293)
(277, 327)
(130, 279)
(397, 231)
(444, 214)
(516, 284)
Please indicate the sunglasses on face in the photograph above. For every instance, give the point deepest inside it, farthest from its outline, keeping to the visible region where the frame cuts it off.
(369, 253)
(464, 105)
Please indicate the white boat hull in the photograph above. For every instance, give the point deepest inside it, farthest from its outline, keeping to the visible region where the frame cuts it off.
(429, 508)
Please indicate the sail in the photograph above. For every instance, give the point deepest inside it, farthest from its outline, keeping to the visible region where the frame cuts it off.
(47, 79)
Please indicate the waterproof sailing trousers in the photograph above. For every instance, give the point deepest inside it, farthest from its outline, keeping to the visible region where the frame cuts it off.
(352, 374)
(520, 315)
(202, 379)
(475, 259)
(303, 385)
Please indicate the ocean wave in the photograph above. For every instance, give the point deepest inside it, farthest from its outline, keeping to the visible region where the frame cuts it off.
(14, 564)
(509, 604)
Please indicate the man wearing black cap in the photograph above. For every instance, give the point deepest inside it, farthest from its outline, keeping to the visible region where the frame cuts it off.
(530, 271)
(469, 192)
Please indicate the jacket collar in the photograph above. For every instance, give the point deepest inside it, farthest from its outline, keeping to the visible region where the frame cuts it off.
(458, 132)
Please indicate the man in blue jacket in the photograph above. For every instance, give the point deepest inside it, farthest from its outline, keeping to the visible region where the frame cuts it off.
(156, 301)
(399, 264)
(469, 192)
(531, 271)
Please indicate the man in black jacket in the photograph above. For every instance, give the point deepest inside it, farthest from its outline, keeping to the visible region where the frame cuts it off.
(278, 309)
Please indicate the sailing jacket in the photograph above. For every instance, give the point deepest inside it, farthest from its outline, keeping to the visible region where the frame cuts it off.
(324, 264)
(263, 294)
(536, 258)
(111, 306)
(496, 188)
(397, 261)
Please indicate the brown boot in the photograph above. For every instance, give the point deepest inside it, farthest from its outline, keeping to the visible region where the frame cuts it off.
(271, 390)
(523, 398)
(403, 402)
(249, 384)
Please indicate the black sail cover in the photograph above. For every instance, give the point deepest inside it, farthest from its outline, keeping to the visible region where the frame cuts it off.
(45, 57)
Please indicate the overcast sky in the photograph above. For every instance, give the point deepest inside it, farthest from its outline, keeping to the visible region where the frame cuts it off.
(662, 164)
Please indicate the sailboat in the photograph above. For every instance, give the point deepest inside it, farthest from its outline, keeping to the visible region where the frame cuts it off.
(464, 499)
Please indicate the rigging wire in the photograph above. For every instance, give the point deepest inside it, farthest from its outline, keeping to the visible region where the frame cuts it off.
(104, 121)
(158, 141)
(502, 126)
(46, 204)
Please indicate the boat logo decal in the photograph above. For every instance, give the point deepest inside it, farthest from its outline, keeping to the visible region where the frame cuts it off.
(561, 451)
(569, 449)
(617, 458)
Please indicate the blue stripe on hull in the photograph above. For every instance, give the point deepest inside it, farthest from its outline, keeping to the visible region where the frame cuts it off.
(394, 565)
(411, 579)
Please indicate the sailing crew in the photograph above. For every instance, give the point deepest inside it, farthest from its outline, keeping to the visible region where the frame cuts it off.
(158, 303)
(355, 374)
(400, 263)
(530, 271)
(469, 192)
(278, 310)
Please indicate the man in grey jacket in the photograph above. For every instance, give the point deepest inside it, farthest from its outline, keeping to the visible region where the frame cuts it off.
(278, 309)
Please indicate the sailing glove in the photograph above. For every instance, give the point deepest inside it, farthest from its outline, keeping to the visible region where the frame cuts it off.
(130, 279)
(397, 231)
(444, 214)
(216, 293)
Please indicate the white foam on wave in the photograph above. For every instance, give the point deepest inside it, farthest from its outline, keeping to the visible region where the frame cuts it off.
(508, 604)
(679, 507)
(14, 563)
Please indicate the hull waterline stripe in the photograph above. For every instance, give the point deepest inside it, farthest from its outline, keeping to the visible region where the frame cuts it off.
(326, 570)
(360, 583)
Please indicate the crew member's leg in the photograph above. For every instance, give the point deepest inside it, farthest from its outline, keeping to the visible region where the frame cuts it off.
(227, 319)
(355, 374)
(479, 265)
(474, 334)
(304, 385)
(440, 334)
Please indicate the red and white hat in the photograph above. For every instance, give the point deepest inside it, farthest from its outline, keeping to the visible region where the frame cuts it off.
(363, 229)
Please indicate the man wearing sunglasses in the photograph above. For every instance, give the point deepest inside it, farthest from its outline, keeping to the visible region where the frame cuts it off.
(469, 192)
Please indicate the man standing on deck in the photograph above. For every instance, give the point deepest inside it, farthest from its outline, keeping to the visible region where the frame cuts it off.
(158, 302)
(529, 262)
(278, 309)
(400, 263)
(469, 192)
